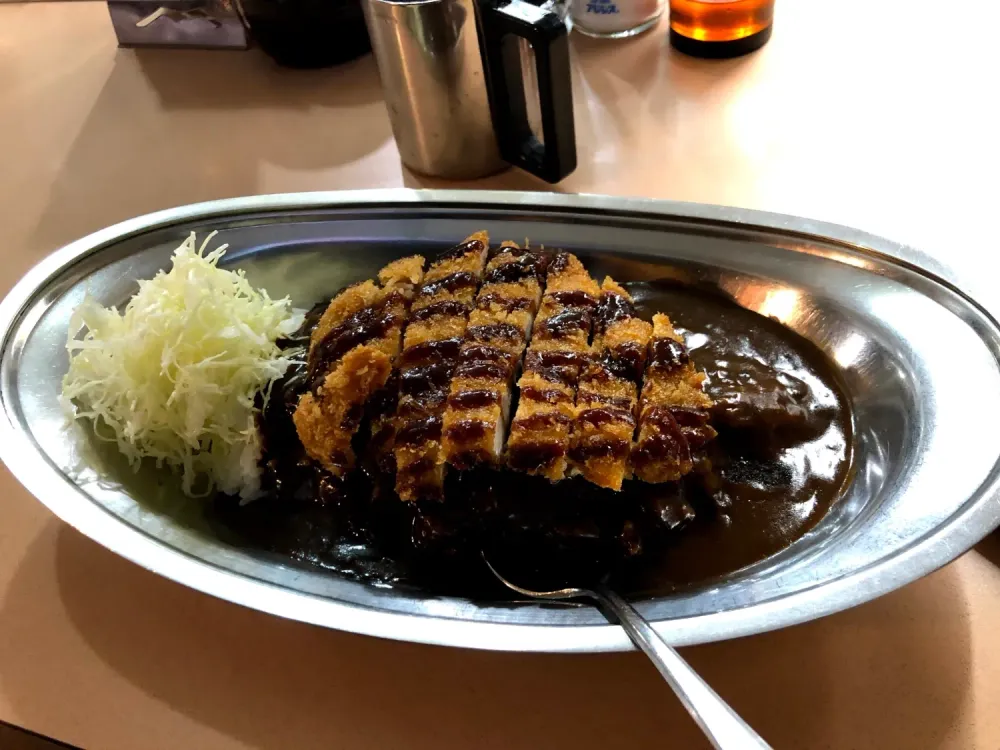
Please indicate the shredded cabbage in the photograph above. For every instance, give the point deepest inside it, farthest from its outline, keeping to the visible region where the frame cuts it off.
(175, 377)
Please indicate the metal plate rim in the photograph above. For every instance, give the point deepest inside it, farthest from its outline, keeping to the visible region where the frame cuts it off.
(35, 472)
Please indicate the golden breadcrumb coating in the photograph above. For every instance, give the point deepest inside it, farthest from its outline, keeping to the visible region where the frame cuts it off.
(326, 421)
(353, 299)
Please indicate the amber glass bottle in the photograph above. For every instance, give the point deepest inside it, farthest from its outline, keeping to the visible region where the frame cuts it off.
(720, 28)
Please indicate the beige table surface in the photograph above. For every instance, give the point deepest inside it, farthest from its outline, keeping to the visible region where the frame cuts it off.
(848, 115)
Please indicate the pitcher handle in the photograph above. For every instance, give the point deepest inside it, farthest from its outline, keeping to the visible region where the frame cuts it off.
(503, 26)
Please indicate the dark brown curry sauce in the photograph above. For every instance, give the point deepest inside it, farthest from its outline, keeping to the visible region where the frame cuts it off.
(780, 460)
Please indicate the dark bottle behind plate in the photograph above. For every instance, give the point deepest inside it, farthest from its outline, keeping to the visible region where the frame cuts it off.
(308, 33)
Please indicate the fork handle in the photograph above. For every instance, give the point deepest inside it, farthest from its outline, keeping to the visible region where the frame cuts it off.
(723, 727)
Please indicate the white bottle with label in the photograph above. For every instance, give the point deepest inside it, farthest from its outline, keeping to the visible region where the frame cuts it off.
(614, 19)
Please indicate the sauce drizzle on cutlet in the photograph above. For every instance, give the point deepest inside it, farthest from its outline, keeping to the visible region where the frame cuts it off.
(476, 425)
(540, 431)
(661, 452)
(435, 340)
(607, 396)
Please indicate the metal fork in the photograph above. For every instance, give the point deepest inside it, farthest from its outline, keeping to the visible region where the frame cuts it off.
(723, 727)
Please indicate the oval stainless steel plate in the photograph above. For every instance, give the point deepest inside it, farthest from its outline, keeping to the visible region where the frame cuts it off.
(919, 359)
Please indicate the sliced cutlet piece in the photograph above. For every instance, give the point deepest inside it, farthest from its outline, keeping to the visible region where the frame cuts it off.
(673, 409)
(352, 301)
(540, 431)
(351, 353)
(399, 280)
(478, 411)
(431, 347)
(327, 418)
(607, 397)
(366, 313)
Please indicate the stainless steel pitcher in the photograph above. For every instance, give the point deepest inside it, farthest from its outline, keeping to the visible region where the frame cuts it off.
(452, 77)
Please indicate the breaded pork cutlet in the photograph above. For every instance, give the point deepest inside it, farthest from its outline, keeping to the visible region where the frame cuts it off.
(431, 348)
(673, 409)
(428, 361)
(608, 393)
(478, 411)
(540, 431)
(351, 355)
